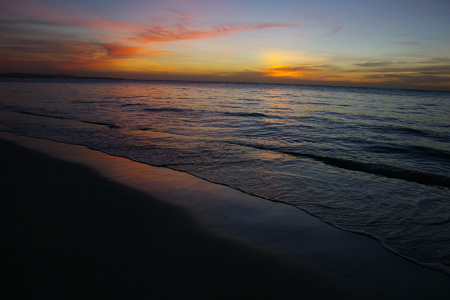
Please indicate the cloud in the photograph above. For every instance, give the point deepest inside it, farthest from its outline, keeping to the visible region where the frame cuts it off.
(68, 54)
(37, 56)
(420, 79)
(374, 64)
(442, 68)
(436, 66)
(65, 40)
(287, 71)
(187, 31)
(291, 69)
(437, 60)
(409, 73)
(404, 74)
(120, 51)
(334, 31)
(176, 26)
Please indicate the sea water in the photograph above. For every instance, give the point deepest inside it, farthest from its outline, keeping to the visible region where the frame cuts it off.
(372, 161)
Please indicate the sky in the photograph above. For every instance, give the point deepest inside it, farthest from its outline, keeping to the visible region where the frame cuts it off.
(392, 44)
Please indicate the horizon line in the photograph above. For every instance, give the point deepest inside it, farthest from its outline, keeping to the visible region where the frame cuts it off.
(24, 75)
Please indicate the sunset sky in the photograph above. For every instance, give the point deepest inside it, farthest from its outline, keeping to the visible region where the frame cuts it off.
(395, 43)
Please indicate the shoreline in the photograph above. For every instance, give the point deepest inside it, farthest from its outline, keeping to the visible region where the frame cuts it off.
(70, 233)
(349, 260)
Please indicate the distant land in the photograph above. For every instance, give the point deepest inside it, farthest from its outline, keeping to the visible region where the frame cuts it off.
(64, 76)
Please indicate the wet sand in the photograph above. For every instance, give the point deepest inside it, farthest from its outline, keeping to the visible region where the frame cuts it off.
(80, 224)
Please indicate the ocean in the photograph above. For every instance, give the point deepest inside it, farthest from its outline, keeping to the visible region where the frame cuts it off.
(370, 161)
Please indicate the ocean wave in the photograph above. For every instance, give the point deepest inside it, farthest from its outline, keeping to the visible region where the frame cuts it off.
(387, 149)
(226, 113)
(132, 104)
(432, 152)
(420, 151)
(440, 222)
(88, 101)
(384, 170)
(247, 114)
(110, 125)
(145, 128)
(42, 115)
(370, 168)
(164, 109)
(409, 131)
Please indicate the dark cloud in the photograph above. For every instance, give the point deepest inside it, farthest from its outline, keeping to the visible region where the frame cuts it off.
(411, 78)
(374, 64)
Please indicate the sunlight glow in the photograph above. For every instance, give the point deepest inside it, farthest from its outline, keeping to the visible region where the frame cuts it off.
(280, 57)
(291, 42)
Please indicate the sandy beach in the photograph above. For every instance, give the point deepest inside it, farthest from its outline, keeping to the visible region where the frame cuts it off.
(81, 224)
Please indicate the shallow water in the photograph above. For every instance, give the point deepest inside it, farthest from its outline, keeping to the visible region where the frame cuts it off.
(372, 161)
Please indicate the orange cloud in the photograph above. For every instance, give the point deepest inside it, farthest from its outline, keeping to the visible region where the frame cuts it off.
(119, 51)
(289, 71)
(68, 55)
(68, 41)
(112, 56)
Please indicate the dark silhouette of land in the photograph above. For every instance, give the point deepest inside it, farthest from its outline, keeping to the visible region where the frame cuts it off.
(55, 76)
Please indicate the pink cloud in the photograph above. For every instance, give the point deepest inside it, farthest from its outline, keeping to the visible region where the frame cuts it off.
(177, 32)
(64, 39)
(163, 30)
(119, 51)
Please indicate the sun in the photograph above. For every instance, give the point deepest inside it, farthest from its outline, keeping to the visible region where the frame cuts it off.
(273, 58)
